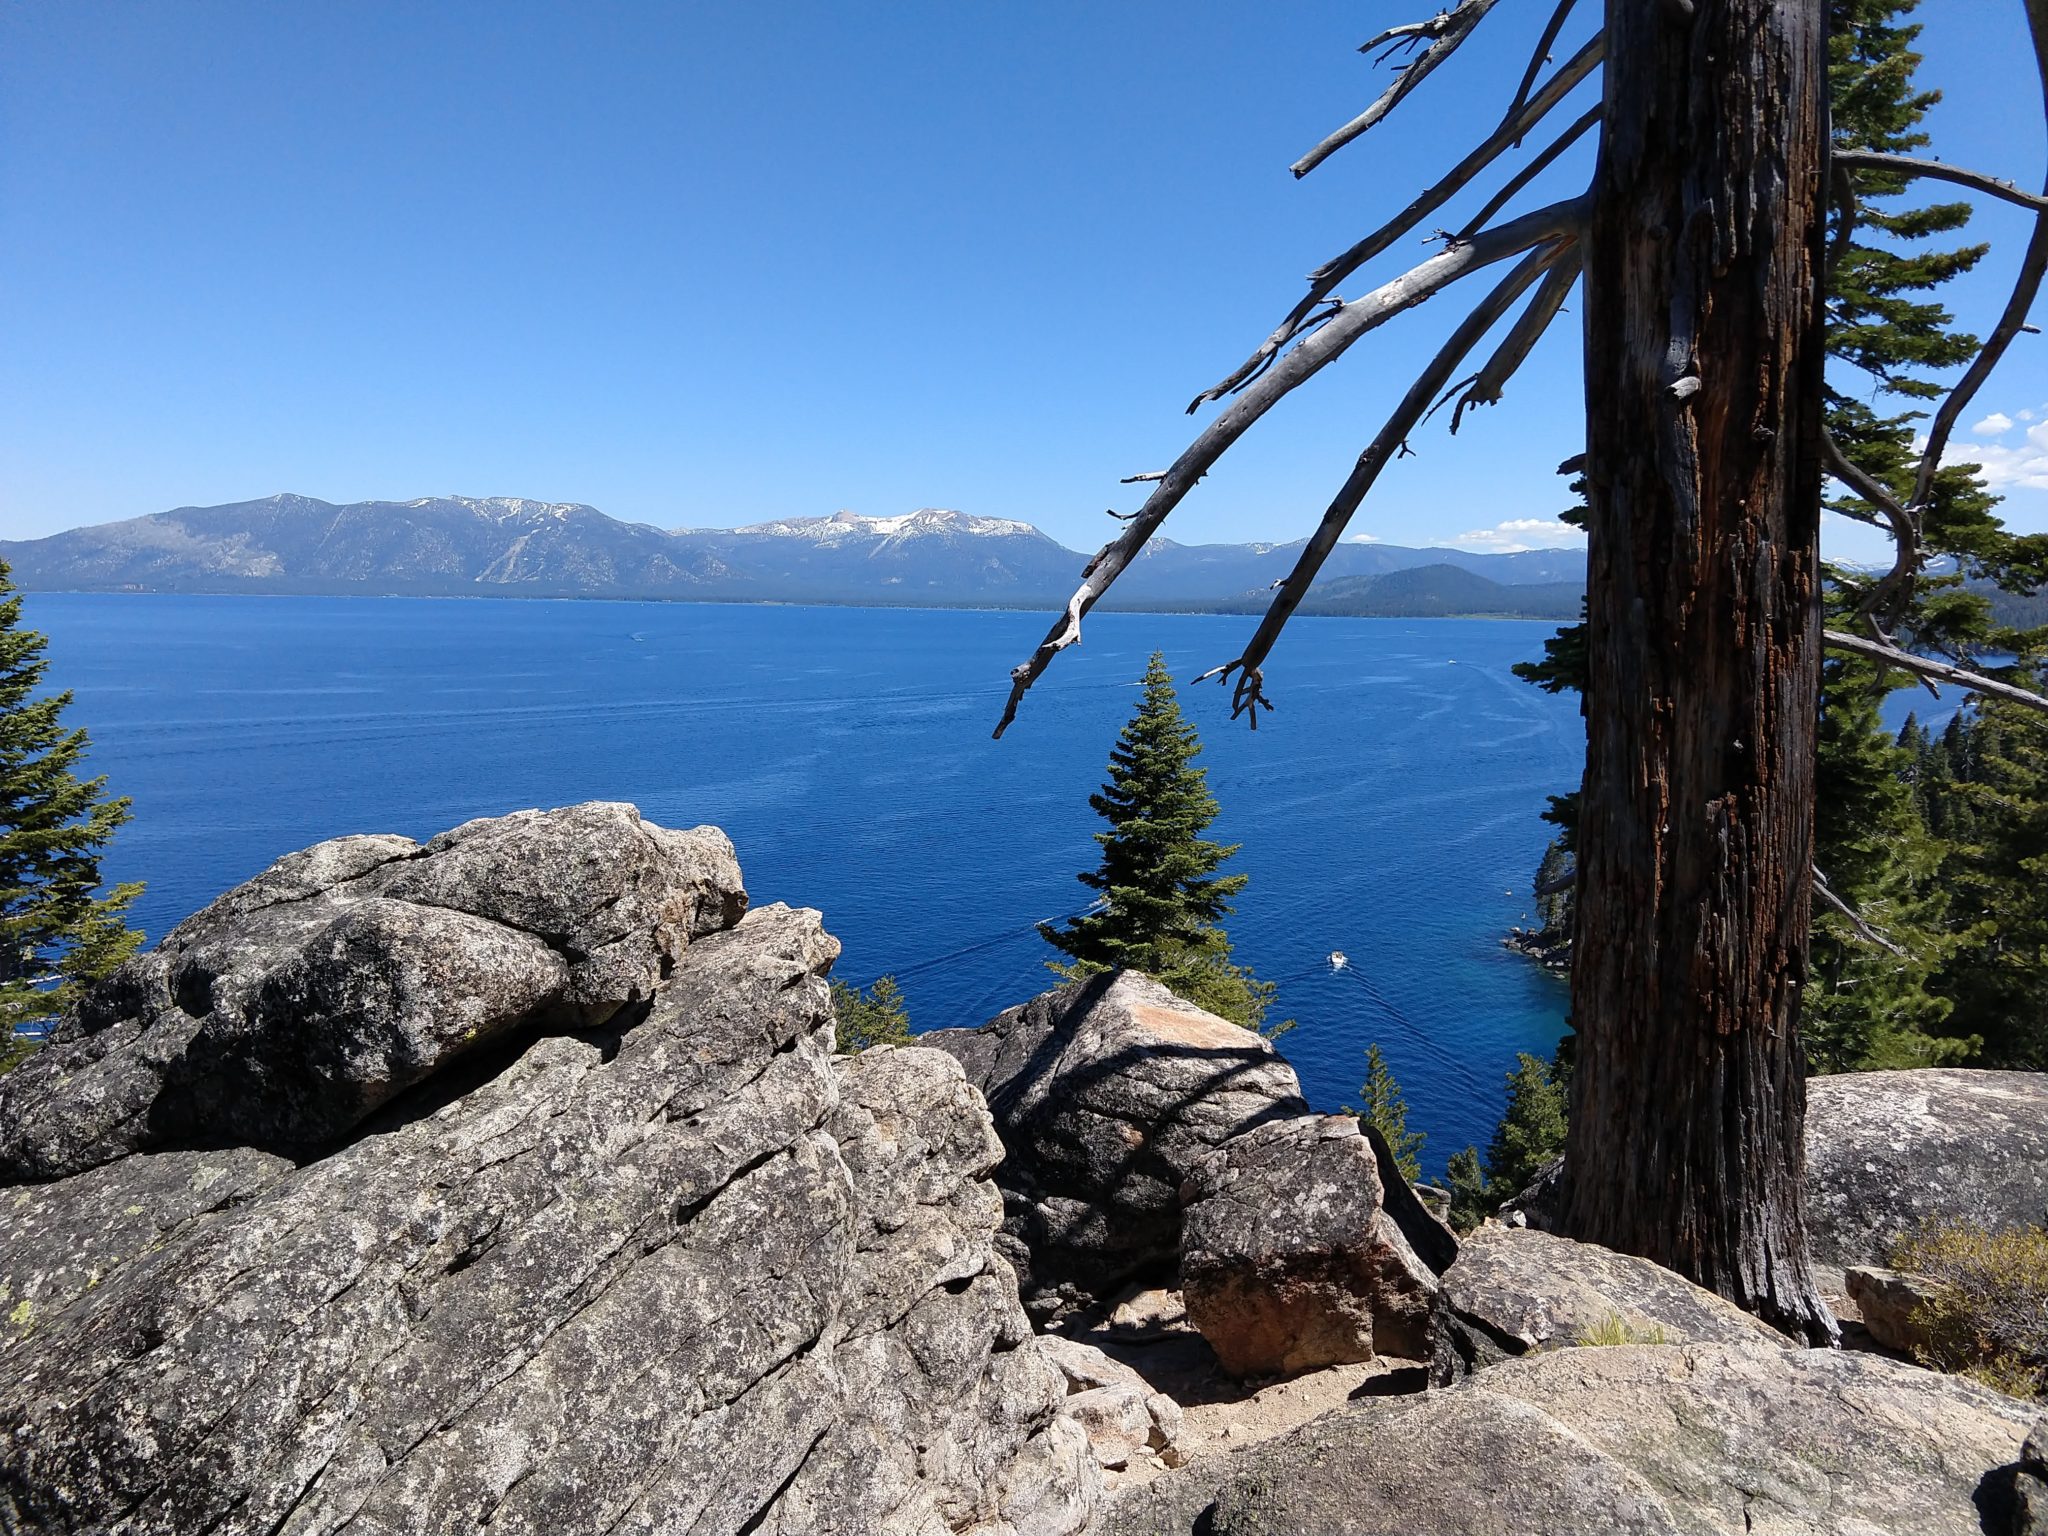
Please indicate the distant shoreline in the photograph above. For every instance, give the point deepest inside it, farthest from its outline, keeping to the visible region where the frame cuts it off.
(1049, 606)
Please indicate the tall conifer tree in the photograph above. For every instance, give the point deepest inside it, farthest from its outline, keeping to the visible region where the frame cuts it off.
(1386, 1110)
(57, 930)
(1162, 902)
(1866, 1006)
(1997, 876)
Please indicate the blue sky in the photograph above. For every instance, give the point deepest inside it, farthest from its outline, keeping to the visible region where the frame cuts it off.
(709, 264)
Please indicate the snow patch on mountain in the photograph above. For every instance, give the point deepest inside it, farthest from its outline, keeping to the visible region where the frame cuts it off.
(506, 509)
(842, 527)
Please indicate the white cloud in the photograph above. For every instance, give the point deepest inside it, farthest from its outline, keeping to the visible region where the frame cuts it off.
(2006, 467)
(1521, 533)
(1363, 538)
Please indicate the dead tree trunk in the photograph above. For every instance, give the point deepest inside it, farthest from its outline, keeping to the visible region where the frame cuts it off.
(1703, 469)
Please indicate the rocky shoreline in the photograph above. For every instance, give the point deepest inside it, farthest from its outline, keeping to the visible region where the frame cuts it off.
(1552, 951)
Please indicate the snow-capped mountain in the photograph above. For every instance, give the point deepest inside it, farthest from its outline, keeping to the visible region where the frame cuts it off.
(505, 546)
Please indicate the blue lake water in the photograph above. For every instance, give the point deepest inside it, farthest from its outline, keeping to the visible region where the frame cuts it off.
(1388, 808)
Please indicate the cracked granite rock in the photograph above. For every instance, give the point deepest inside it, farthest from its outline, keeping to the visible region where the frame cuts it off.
(1514, 1291)
(1888, 1153)
(288, 1011)
(1108, 1093)
(647, 1263)
(1634, 1440)
(1292, 1257)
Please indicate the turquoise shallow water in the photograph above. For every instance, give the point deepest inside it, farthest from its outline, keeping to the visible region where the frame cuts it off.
(1387, 809)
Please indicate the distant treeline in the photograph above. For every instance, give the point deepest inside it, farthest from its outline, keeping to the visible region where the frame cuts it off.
(1426, 592)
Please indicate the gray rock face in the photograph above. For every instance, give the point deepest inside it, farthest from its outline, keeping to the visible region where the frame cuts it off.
(1107, 1093)
(2030, 1486)
(1515, 1290)
(1888, 1152)
(1289, 1262)
(684, 1270)
(1636, 1440)
(295, 1006)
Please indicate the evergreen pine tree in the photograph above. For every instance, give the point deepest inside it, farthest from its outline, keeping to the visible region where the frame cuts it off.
(1162, 901)
(1467, 1179)
(57, 931)
(1998, 884)
(1882, 820)
(1866, 1007)
(874, 1017)
(1386, 1110)
(1531, 1132)
(1555, 877)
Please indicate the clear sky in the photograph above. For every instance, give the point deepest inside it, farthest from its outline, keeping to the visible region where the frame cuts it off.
(712, 263)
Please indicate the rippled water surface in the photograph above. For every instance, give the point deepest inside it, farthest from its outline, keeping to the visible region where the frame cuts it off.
(1388, 808)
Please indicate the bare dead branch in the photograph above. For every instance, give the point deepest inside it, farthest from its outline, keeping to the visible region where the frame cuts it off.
(1455, 387)
(1940, 671)
(1324, 280)
(1408, 33)
(1398, 45)
(1541, 56)
(1866, 485)
(1537, 165)
(1301, 363)
(1383, 449)
(1892, 589)
(1150, 474)
(1522, 337)
(1844, 196)
(1446, 31)
(2026, 287)
(1864, 931)
(1940, 170)
(1821, 888)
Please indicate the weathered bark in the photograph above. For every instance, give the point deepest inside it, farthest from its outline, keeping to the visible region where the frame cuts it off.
(1703, 467)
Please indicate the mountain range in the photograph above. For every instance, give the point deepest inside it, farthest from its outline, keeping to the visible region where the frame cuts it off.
(510, 547)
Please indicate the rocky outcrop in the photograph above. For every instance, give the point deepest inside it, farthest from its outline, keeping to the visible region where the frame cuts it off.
(2030, 1487)
(294, 1007)
(1107, 1093)
(682, 1269)
(1289, 1260)
(1890, 1152)
(1890, 1304)
(1636, 1440)
(1514, 1290)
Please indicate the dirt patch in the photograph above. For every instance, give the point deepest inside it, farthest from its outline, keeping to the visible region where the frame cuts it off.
(1221, 1415)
